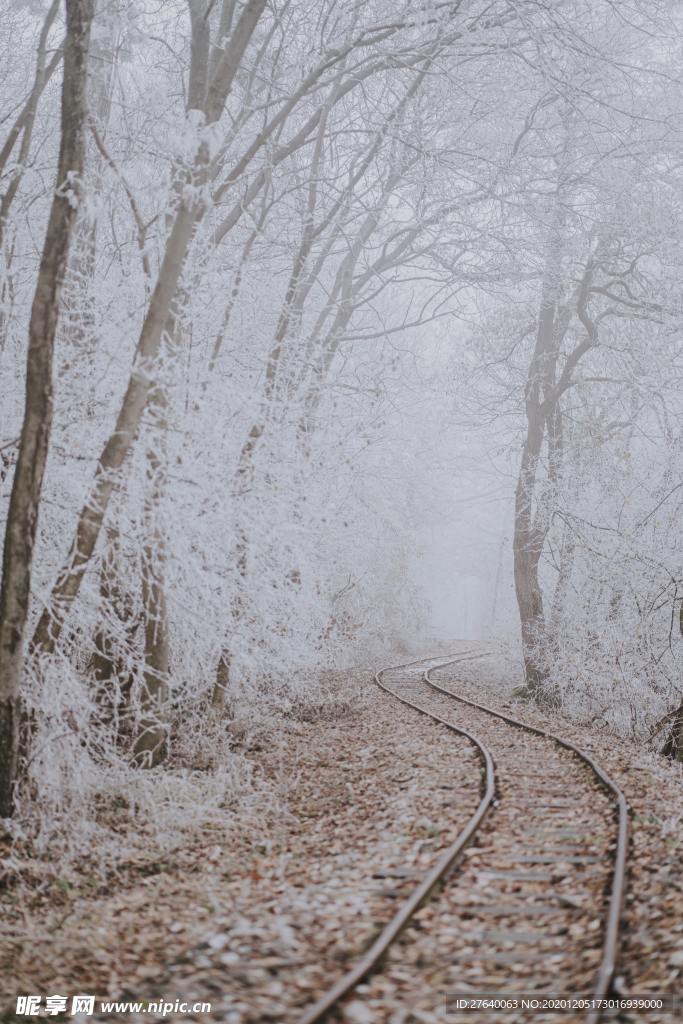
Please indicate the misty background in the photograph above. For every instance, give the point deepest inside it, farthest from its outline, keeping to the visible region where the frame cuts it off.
(349, 329)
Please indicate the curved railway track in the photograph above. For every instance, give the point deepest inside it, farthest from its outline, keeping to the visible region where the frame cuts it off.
(515, 816)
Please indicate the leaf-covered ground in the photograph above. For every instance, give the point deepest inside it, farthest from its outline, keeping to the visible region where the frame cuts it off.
(652, 944)
(351, 807)
(257, 920)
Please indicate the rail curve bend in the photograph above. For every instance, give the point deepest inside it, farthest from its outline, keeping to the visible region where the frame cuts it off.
(423, 891)
(605, 973)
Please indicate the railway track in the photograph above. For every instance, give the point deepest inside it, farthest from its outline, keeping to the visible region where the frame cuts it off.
(541, 877)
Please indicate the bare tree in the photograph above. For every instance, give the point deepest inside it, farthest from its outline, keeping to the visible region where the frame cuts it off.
(25, 122)
(190, 210)
(33, 447)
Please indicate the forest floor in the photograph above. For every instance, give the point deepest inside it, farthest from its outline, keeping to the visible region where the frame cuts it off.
(652, 931)
(258, 917)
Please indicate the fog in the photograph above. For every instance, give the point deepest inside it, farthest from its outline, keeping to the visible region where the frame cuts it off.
(331, 333)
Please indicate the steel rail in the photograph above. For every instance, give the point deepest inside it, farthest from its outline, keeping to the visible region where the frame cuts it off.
(445, 863)
(608, 962)
(610, 948)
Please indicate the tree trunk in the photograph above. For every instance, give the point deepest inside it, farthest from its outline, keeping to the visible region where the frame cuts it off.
(674, 743)
(26, 491)
(220, 687)
(151, 743)
(190, 211)
(152, 735)
(121, 440)
(78, 298)
(559, 605)
(25, 123)
(527, 545)
(109, 665)
(530, 524)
